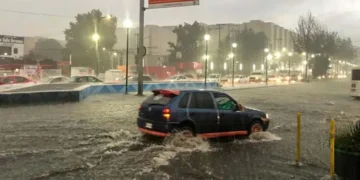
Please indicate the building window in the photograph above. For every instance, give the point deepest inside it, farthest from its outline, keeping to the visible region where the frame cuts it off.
(16, 50)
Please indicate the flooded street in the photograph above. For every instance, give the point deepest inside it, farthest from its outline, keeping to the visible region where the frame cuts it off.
(98, 139)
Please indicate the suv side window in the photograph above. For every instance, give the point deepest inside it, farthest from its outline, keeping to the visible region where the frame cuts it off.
(184, 101)
(224, 102)
(201, 100)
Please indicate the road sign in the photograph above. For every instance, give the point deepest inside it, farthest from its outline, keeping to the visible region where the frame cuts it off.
(154, 4)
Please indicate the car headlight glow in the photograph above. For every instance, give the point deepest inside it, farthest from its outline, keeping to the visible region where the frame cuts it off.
(267, 116)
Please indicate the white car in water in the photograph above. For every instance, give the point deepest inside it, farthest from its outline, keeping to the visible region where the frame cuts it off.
(179, 78)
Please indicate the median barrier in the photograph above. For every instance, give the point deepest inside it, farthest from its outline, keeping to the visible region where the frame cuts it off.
(56, 93)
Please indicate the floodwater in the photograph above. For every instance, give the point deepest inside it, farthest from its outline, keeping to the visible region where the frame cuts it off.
(98, 139)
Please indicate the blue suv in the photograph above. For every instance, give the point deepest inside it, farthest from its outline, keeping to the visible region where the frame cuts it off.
(206, 113)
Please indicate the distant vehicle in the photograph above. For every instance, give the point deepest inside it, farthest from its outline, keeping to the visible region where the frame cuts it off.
(206, 113)
(56, 80)
(179, 78)
(296, 77)
(6, 80)
(85, 79)
(239, 79)
(189, 76)
(355, 83)
(135, 78)
(214, 78)
(226, 78)
(256, 77)
(273, 79)
(113, 75)
(14, 82)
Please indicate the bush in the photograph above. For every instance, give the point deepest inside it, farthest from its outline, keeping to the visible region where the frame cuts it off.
(348, 139)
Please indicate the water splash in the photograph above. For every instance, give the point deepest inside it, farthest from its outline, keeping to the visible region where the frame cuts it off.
(263, 136)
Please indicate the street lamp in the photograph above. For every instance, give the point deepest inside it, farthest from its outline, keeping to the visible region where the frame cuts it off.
(268, 57)
(95, 37)
(206, 38)
(234, 45)
(289, 54)
(127, 24)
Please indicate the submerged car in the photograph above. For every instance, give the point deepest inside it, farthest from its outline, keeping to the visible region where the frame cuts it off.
(206, 113)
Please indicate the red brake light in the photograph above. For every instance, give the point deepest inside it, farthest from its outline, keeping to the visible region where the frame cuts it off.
(139, 107)
(166, 113)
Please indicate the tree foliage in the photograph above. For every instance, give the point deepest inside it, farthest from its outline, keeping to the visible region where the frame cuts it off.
(79, 38)
(189, 43)
(47, 49)
(250, 47)
(320, 44)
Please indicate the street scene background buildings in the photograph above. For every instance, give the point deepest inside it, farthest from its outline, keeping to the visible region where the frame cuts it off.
(156, 40)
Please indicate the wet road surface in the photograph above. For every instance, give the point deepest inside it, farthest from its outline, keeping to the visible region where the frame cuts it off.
(98, 139)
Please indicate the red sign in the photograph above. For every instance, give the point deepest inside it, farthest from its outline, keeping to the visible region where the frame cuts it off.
(172, 3)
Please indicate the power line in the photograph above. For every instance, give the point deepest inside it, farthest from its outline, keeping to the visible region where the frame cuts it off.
(32, 13)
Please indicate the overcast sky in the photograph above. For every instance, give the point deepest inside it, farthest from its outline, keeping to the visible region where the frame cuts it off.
(340, 15)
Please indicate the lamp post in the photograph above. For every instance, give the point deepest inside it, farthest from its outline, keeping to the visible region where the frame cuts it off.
(207, 38)
(289, 54)
(127, 24)
(234, 45)
(266, 50)
(96, 37)
(268, 57)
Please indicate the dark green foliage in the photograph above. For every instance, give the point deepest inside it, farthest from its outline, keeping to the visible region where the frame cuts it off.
(79, 38)
(349, 139)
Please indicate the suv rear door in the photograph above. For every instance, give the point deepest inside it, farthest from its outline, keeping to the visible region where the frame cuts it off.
(202, 111)
(152, 108)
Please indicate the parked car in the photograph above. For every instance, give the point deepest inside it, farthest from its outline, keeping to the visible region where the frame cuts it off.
(135, 78)
(6, 80)
(206, 113)
(179, 78)
(273, 79)
(56, 80)
(85, 79)
(256, 77)
(14, 82)
(240, 79)
(214, 78)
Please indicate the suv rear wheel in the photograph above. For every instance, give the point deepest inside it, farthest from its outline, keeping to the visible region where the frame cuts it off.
(186, 131)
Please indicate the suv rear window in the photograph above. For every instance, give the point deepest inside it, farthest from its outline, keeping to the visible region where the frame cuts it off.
(160, 99)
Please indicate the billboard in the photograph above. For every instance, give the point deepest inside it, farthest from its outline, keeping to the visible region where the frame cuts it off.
(171, 3)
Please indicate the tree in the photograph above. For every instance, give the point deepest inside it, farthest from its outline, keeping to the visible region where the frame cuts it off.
(304, 32)
(47, 49)
(79, 38)
(189, 43)
(251, 47)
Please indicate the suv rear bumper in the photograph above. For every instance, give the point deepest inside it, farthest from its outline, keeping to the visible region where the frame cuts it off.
(156, 128)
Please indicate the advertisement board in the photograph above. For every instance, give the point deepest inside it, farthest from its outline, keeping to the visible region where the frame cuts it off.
(172, 3)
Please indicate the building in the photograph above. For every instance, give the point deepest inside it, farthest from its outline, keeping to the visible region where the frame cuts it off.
(12, 46)
(156, 39)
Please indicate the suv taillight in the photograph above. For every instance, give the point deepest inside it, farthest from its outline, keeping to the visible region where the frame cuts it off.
(166, 113)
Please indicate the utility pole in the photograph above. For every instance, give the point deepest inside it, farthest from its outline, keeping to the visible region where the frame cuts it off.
(141, 52)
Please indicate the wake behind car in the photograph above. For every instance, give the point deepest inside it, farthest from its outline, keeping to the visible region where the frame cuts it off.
(205, 113)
